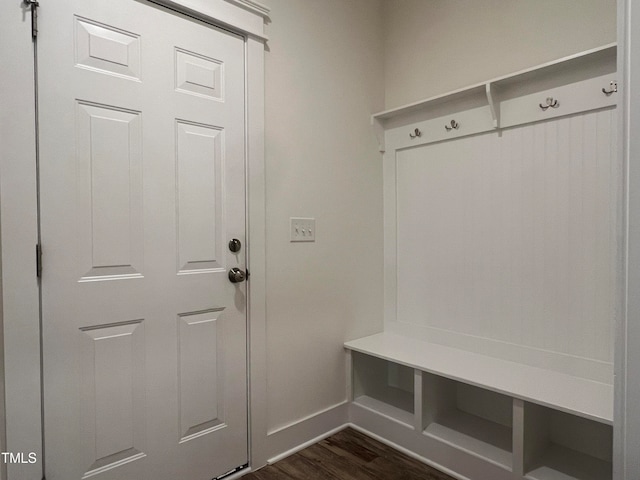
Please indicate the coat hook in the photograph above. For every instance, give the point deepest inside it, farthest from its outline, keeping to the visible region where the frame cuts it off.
(454, 124)
(613, 88)
(551, 102)
(416, 133)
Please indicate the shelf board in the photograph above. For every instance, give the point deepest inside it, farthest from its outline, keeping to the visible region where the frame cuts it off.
(574, 395)
(477, 436)
(454, 96)
(595, 62)
(561, 463)
(602, 55)
(399, 412)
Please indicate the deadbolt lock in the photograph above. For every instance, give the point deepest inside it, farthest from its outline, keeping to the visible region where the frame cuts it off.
(235, 245)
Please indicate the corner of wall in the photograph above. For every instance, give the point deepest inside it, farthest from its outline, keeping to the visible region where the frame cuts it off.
(324, 79)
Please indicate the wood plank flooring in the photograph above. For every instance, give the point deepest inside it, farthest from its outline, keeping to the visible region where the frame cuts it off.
(348, 455)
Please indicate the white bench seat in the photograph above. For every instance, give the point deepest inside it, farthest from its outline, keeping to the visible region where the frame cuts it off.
(574, 395)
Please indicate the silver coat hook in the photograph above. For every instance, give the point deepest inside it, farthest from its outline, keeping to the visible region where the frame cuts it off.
(416, 133)
(454, 125)
(551, 102)
(613, 88)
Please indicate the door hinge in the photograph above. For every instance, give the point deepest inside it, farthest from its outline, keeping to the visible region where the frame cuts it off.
(38, 261)
(34, 16)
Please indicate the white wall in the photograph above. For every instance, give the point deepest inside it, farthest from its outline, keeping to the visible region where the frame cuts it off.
(329, 65)
(324, 78)
(435, 46)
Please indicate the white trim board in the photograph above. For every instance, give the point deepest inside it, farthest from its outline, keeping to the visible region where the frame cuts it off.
(233, 15)
(306, 444)
(382, 439)
(425, 448)
(627, 349)
(407, 452)
(291, 438)
(256, 255)
(253, 6)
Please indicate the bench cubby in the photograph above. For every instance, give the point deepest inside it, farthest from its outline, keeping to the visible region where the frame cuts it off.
(476, 420)
(384, 386)
(558, 445)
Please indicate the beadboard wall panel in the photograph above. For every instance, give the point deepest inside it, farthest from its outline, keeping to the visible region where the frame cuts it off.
(510, 238)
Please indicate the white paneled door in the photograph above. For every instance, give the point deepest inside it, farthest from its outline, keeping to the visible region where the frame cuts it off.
(142, 186)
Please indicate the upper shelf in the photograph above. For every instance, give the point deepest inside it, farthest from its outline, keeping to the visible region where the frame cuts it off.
(500, 99)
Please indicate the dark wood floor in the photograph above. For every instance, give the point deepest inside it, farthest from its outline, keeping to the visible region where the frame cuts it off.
(348, 455)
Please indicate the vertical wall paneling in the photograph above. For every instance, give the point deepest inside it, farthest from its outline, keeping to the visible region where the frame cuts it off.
(509, 239)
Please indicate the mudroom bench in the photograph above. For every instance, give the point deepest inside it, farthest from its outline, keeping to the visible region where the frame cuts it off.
(478, 417)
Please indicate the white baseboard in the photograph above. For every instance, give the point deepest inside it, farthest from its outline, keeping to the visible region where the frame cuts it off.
(458, 463)
(407, 452)
(294, 437)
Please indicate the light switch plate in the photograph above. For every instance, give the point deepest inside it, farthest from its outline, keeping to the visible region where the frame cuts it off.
(303, 229)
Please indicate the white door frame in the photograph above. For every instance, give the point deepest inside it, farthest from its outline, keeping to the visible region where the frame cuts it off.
(20, 377)
(627, 351)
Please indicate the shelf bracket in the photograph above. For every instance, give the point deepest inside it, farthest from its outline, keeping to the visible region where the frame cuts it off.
(495, 113)
(378, 131)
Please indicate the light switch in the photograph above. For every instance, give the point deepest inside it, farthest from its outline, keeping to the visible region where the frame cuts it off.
(303, 229)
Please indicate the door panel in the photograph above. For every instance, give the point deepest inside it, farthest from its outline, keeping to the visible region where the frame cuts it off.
(110, 200)
(201, 402)
(142, 185)
(199, 203)
(112, 390)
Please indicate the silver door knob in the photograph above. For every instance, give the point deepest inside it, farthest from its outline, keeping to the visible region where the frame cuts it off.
(236, 275)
